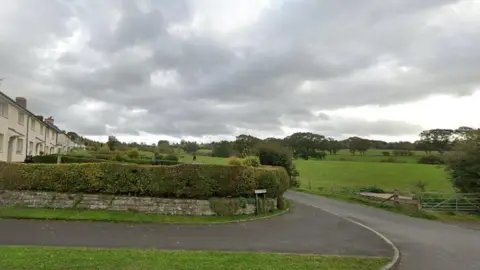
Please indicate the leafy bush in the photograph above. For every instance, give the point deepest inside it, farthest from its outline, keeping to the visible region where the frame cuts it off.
(251, 161)
(234, 161)
(275, 155)
(224, 206)
(133, 154)
(119, 156)
(180, 181)
(431, 159)
(403, 153)
(386, 153)
(463, 164)
(171, 157)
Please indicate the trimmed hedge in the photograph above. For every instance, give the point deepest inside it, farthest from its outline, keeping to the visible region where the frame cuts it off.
(65, 159)
(49, 159)
(180, 181)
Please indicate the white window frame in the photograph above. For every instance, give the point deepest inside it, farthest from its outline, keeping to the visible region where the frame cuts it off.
(42, 129)
(19, 146)
(2, 138)
(4, 109)
(30, 147)
(32, 124)
(21, 118)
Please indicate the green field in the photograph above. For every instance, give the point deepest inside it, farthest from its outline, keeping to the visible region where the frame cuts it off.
(374, 155)
(388, 176)
(355, 174)
(14, 257)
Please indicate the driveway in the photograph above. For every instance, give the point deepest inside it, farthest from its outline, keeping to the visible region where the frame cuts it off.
(306, 230)
(423, 244)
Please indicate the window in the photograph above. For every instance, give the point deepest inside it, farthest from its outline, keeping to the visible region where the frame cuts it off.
(41, 129)
(4, 109)
(1, 142)
(30, 147)
(19, 146)
(21, 118)
(32, 124)
(53, 135)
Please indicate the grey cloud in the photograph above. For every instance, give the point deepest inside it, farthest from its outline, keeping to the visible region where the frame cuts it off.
(246, 80)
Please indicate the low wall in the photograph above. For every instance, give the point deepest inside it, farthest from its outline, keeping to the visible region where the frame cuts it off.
(120, 203)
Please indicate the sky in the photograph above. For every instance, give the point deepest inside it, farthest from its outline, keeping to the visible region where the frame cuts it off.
(204, 70)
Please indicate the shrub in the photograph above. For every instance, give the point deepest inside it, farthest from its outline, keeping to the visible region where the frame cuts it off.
(119, 156)
(171, 157)
(431, 159)
(52, 159)
(133, 154)
(224, 206)
(251, 161)
(180, 181)
(234, 161)
(386, 153)
(275, 155)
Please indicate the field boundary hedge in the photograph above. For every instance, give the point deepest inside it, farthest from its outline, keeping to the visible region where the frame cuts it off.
(52, 159)
(180, 181)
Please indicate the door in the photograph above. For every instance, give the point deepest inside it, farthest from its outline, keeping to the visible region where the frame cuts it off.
(10, 149)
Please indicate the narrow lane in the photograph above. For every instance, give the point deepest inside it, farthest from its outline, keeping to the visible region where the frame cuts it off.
(423, 244)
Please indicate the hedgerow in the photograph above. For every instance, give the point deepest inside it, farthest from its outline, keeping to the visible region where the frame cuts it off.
(179, 181)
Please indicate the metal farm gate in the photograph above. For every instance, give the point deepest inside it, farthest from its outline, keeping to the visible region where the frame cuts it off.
(450, 202)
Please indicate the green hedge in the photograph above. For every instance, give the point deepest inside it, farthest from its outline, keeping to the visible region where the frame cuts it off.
(65, 159)
(180, 181)
(48, 159)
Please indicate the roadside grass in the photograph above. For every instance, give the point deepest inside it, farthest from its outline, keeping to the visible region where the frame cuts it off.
(22, 257)
(388, 176)
(117, 216)
(440, 216)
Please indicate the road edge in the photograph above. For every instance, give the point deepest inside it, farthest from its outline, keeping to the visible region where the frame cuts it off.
(396, 252)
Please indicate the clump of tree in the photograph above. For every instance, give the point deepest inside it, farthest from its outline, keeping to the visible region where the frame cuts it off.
(463, 163)
(358, 145)
(222, 149)
(273, 154)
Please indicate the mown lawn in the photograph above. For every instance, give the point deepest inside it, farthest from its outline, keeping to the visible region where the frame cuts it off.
(17, 257)
(388, 176)
(374, 155)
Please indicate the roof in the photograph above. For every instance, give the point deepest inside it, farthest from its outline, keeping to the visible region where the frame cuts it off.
(52, 126)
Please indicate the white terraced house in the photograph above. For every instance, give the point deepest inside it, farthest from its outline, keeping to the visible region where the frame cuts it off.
(23, 133)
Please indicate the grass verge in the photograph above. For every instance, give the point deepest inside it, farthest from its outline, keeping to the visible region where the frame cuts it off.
(18, 257)
(117, 216)
(459, 217)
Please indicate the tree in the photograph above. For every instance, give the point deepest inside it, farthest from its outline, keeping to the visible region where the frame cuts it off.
(245, 145)
(222, 149)
(112, 143)
(358, 144)
(164, 147)
(189, 147)
(275, 155)
(333, 146)
(463, 163)
(306, 144)
(437, 139)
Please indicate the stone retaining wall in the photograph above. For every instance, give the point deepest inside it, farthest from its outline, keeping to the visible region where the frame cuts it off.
(40, 199)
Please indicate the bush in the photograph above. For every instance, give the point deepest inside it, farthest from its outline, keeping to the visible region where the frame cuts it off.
(180, 181)
(386, 153)
(133, 154)
(251, 161)
(52, 159)
(224, 206)
(171, 157)
(234, 161)
(373, 189)
(275, 155)
(431, 159)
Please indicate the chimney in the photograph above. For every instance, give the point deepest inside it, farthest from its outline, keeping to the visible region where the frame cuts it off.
(21, 101)
(40, 117)
(49, 120)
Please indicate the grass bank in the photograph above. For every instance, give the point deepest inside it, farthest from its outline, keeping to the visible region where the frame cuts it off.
(446, 217)
(117, 216)
(16, 257)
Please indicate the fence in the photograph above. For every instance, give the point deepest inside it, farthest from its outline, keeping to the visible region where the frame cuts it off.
(450, 202)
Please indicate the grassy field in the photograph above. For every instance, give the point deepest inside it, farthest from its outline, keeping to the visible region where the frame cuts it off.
(388, 176)
(117, 216)
(15, 257)
(354, 175)
(374, 155)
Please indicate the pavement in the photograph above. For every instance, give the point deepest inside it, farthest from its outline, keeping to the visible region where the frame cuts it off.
(307, 229)
(423, 244)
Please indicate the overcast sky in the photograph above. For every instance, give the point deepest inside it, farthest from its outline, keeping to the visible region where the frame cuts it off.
(205, 69)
